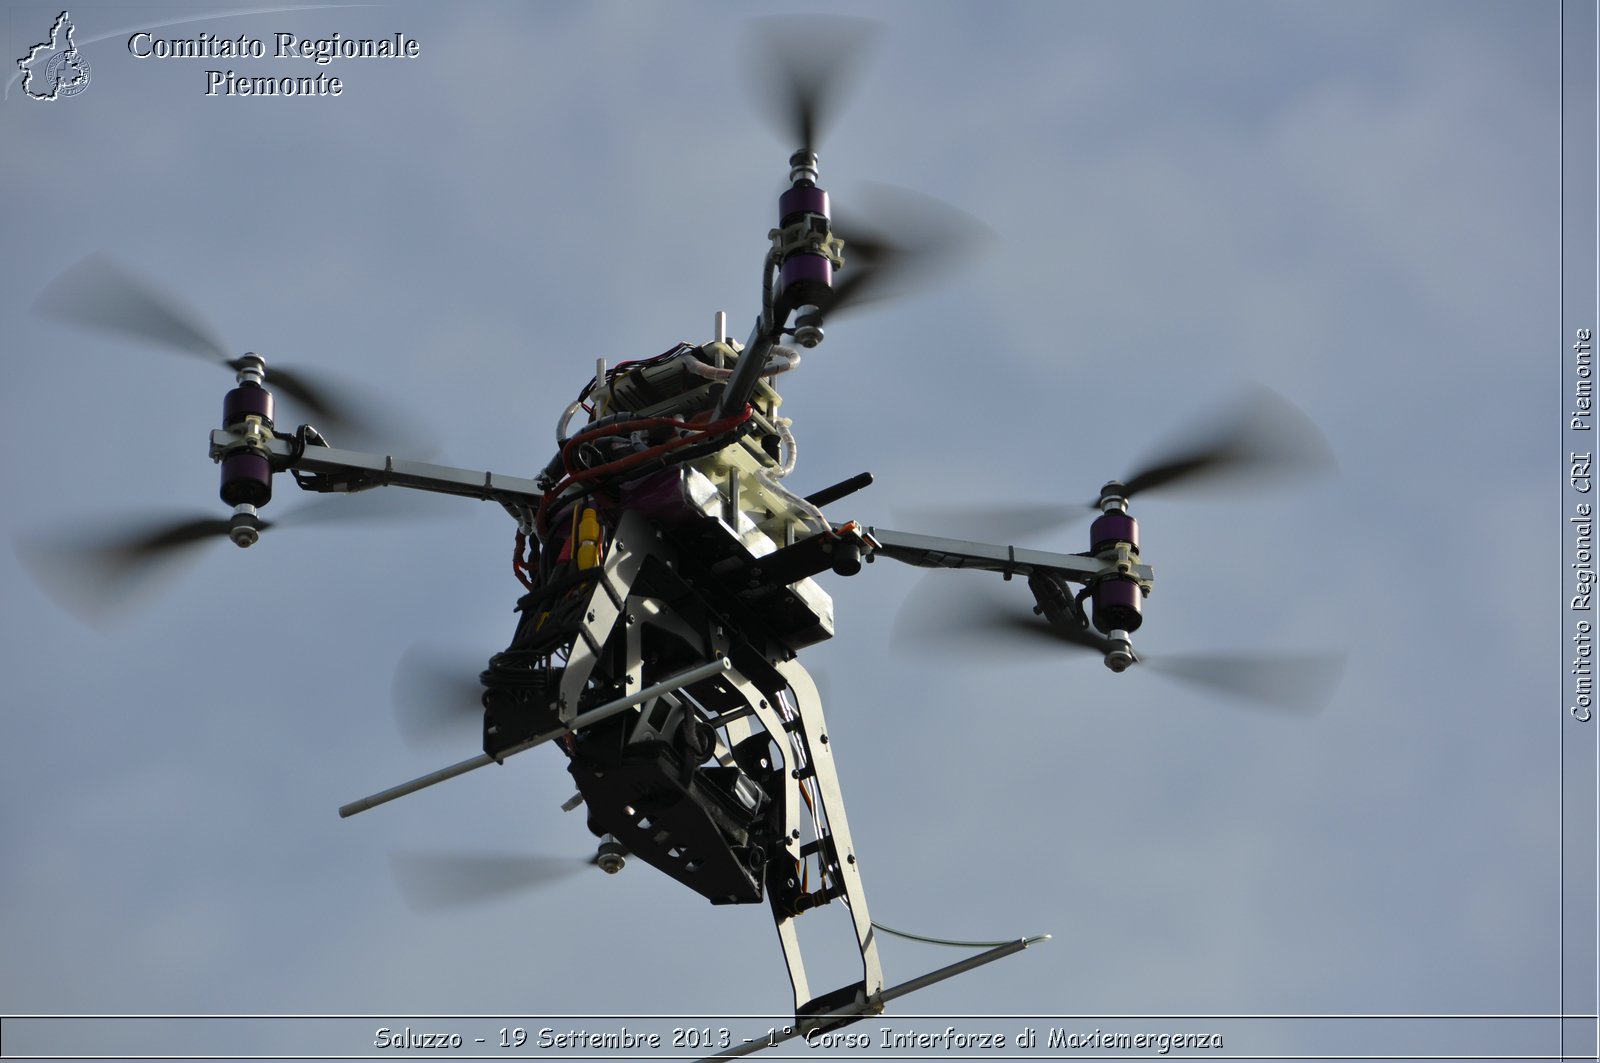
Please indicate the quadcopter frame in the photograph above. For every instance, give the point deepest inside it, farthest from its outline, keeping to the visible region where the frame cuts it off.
(643, 639)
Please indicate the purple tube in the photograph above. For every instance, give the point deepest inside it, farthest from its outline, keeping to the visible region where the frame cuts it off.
(246, 478)
(804, 278)
(801, 199)
(243, 401)
(663, 497)
(1112, 528)
(1117, 605)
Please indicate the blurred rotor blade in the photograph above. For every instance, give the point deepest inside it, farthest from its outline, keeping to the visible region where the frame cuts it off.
(802, 67)
(375, 504)
(98, 293)
(335, 408)
(990, 523)
(1263, 437)
(440, 881)
(1040, 629)
(437, 696)
(1260, 438)
(153, 541)
(98, 575)
(941, 622)
(101, 294)
(951, 617)
(910, 237)
(1296, 682)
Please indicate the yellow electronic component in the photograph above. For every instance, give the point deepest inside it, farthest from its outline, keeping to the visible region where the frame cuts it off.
(588, 553)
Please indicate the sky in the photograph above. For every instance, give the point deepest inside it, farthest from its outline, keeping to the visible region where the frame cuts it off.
(1355, 204)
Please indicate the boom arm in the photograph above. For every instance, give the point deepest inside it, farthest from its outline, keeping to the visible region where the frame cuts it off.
(1115, 568)
(927, 551)
(349, 470)
(747, 371)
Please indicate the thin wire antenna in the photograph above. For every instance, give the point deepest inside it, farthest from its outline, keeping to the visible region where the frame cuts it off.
(940, 941)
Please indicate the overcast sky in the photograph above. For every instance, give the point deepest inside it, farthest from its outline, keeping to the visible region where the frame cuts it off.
(1355, 204)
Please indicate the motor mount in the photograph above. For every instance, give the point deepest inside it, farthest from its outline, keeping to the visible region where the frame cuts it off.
(247, 463)
(1117, 596)
(805, 249)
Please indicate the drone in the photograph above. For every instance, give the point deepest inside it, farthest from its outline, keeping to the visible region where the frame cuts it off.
(670, 577)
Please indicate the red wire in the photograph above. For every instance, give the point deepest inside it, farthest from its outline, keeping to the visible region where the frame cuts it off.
(519, 564)
(621, 464)
(620, 428)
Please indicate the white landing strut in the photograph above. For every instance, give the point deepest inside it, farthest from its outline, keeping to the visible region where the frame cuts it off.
(875, 1006)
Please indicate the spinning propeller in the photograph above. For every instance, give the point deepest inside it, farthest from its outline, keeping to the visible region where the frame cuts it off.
(1260, 440)
(1263, 439)
(434, 882)
(97, 293)
(96, 575)
(437, 696)
(807, 65)
(941, 619)
(912, 236)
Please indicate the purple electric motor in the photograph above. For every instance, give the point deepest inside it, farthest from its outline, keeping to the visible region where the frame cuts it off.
(247, 472)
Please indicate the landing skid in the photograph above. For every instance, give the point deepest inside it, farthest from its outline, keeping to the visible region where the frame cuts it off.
(864, 1007)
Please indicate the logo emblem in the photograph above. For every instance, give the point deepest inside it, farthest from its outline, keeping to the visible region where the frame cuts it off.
(55, 69)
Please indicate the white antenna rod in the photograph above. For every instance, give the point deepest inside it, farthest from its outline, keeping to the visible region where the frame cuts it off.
(587, 719)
